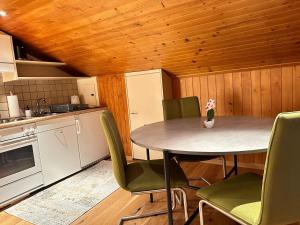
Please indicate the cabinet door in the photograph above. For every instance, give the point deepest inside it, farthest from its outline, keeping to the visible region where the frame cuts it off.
(59, 153)
(6, 49)
(91, 139)
(145, 96)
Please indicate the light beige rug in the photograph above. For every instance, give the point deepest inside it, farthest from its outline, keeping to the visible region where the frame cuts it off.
(64, 202)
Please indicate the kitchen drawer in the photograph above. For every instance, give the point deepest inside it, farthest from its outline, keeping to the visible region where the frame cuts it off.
(55, 123)
(16, 189)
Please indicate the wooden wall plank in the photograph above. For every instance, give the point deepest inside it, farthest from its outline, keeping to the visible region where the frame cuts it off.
(220, 100)
(296, 89)
(287, 88)
(228, 92)
(266, 93)
(197, 89)
(246, 93)
(212, 89)
(204, 93)
(183, 87)
(276, 91)
(237, 93)
(256, 93)
(176, 88)
(189, 86)
(112, 91)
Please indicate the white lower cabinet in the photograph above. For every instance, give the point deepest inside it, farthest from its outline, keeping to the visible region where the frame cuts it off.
(91, 140)
(58, 148)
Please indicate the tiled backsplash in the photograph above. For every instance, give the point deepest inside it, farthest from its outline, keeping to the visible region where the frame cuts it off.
(28, 91)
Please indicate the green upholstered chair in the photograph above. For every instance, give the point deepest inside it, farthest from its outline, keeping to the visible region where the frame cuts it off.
(269, 200)
(141, 177)
(189, 107)
(185, 108)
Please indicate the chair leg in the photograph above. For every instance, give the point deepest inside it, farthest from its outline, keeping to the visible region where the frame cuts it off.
(156, 213)
(126, 218)
(201, 204)
(200, 178)
(151, 198)
(185, 204)
(178, 197)
(204, 202)
(224, 166)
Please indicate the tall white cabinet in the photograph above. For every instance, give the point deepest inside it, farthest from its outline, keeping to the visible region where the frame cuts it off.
(145, 92)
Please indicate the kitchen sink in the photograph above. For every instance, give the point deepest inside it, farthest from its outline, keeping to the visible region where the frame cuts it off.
(44, 114)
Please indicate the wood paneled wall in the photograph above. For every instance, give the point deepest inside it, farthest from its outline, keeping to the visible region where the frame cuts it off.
(112, 93)
(258, 93)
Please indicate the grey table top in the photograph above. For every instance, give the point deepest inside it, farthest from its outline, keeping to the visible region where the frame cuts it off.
(230, 135)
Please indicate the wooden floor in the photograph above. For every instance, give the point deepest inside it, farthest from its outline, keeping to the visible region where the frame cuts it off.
(121, 203)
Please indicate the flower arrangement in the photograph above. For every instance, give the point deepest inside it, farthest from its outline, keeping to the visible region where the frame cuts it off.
(210, 108)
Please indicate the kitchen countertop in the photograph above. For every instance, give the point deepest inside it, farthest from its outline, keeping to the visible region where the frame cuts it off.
(43, 118)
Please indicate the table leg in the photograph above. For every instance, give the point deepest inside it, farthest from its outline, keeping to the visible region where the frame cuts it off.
(168, 185)
(234, 168)
(148, 158)
(235, 164)
(192, 217)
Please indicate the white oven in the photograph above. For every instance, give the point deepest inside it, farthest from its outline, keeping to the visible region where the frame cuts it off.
(20, 166)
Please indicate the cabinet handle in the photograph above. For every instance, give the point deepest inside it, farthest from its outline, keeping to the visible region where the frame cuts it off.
(134, 113)
(77, 126)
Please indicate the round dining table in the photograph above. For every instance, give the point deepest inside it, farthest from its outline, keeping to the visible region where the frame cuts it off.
(230, 136)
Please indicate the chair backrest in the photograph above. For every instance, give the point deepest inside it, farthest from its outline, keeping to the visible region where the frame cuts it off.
(181, 108)
(115, 146)
(189, 107)
(281, 183)
(171, 108)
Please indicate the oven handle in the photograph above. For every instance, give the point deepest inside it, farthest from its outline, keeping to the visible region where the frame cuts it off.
(16, 142)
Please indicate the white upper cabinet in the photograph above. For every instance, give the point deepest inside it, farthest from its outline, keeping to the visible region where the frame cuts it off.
(12, 69)
(88, 91)
(6, 49)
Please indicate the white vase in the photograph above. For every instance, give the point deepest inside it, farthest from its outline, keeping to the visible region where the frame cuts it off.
(209, 124)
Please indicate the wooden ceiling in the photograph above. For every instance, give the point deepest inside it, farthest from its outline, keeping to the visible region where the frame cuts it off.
(181, 36)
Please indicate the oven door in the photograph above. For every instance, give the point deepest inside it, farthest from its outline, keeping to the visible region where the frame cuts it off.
(18, 159)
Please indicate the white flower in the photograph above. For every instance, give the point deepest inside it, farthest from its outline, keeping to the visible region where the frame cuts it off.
(211, 104)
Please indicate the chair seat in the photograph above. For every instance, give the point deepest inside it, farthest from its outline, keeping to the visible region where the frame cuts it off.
(194, 158)
(149, 175)
(239, 196)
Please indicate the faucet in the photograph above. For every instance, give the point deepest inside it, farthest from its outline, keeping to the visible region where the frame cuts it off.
(38, 105)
